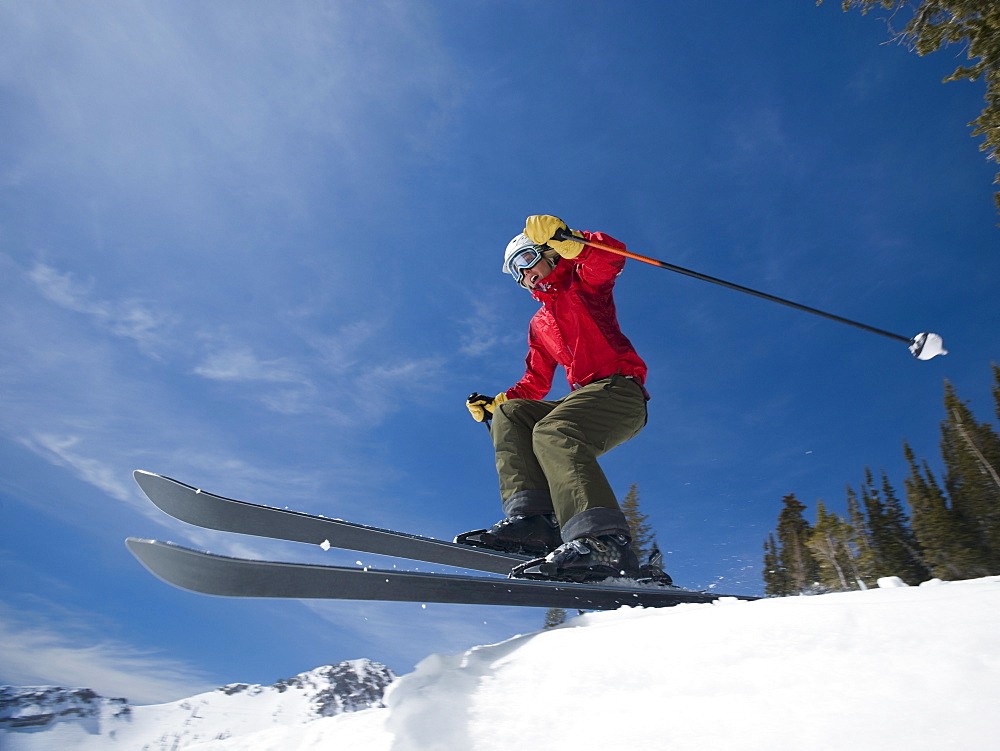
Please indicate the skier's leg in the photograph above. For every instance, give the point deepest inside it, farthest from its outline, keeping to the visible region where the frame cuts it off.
(567, 442)
(587, 423)
(524, 487)
(529, 525)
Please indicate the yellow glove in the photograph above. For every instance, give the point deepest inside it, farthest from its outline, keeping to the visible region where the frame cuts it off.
(541, 229)
(481, 407)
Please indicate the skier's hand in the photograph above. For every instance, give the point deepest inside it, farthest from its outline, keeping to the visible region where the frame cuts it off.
(541, 228)
(481, 407)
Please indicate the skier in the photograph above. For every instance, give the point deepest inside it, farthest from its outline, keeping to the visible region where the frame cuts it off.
(557, 502)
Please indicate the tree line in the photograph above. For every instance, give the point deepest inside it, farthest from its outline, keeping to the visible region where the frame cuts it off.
(952, 530)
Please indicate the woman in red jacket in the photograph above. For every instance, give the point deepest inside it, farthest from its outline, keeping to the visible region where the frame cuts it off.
(556, 500)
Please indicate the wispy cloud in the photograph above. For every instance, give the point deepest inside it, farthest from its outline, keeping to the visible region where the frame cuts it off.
(306, 373)
(99, 386)
(131, 319)
(487, 328)
(62, 648)
(63, 290)
(480, 331)
(61, 451)
(239, 363)
(380, 390)
(343, 350)
(180, 121)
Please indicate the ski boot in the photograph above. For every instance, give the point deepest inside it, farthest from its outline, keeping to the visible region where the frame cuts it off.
(652, 570)
(526, 535)
(584, 559)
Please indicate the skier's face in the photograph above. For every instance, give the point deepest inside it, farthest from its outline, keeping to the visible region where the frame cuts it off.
(536, 273)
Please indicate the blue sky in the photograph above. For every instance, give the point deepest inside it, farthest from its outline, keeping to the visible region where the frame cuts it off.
(256, 247)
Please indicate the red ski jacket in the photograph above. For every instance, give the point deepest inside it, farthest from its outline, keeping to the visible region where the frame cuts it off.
(577, 326)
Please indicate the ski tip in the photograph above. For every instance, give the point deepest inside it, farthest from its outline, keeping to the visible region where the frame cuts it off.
(141, 474)
(167, 561)
(926, 345)
(136, 544)
(145, 480)
(153, 484)
(148, 551)
(139, 548)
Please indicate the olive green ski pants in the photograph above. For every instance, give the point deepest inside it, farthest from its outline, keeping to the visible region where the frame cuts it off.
(547, 452)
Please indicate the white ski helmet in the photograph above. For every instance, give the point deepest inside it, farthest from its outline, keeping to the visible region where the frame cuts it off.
(516, 246)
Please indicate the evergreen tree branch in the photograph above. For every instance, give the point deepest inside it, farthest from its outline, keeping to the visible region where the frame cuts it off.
(975, 24)
(987, 467)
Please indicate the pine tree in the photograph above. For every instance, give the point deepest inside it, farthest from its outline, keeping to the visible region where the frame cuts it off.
(971, 454)
(776, 580)
(996, 390)
(554, 617)
(953, 531)
(794, 555)
(643, 538)
(901, 551)
(865, 566)
(830, 543)
(894, 549)
(947, 547)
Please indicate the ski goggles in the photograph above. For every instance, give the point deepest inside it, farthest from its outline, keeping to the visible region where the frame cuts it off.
(523, 260)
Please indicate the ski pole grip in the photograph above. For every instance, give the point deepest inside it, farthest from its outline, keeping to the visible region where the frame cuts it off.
(565, 234)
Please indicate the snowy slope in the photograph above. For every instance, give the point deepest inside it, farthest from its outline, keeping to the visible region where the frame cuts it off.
(892, 669)
(52, 718)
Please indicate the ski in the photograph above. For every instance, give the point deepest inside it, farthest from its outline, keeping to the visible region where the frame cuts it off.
(223, 576)
(203, 509)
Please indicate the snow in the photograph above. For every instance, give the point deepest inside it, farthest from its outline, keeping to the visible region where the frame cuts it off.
(302, 703)
(893, 668)
(360, 731)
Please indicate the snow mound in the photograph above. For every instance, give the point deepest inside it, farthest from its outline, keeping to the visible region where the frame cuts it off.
(895, 668)
(906, 668)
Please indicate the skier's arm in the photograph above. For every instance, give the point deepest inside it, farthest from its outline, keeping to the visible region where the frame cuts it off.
(540, 367)
(597, 267)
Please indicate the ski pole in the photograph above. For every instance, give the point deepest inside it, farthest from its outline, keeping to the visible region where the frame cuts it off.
(923, 346)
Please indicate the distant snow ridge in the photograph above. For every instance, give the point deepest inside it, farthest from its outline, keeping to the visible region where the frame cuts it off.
(333, 689)
(38, 706)
(46, 717)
